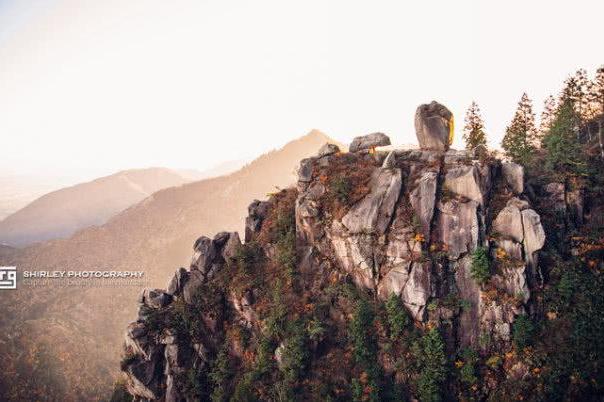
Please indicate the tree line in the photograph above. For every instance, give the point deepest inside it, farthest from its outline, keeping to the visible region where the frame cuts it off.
(570, 134)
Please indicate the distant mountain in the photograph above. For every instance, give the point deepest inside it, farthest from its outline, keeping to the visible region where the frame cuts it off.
(221, 169)
(61, 213)
(18, 190)
(78, 329)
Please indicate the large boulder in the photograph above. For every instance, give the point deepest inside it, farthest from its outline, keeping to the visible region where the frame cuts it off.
(328, 149)
(192, 285)
(154, 298)
(534, 236)
(369, 141)
(432, 126)
(177, 282)
(513, 174)
(231, 247)
(257, 211)
(374, 212)
(204, 253)
(508, 223)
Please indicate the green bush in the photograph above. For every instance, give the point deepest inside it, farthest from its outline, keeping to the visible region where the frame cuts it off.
(220, 374)
(277, 315)
(361, 332)
(522, 331)
(429, 353)
(294, 354)
(247, 256)
(341, 188)
(286, 252)
(315, 329)
(365, 347)
(468, 370)
(480, 269)
(396, 315)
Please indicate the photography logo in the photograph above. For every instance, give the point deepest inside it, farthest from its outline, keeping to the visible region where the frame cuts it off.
(8, 278)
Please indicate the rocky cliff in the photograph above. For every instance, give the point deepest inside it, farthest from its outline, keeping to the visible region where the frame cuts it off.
(366, 281)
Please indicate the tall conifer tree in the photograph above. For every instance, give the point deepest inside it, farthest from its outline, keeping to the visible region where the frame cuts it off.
(520, 138)
(473, 131)
(547, 116)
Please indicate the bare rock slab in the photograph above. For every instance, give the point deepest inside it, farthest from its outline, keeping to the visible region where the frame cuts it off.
(369, 141)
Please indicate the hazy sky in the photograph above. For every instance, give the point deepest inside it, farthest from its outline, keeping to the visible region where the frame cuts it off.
(98, 86)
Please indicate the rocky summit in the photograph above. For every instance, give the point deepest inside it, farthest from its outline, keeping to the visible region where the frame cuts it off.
(361, 283)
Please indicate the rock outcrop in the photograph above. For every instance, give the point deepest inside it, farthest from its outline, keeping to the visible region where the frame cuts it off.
(369, 141)
(404, 223)
(433, 126)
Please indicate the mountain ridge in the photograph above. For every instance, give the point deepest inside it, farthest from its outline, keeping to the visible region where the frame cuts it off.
(153, 236)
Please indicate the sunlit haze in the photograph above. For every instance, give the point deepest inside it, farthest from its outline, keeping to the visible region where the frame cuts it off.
(98, 86)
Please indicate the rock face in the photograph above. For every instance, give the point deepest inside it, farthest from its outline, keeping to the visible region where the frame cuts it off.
(408, 224)
(513, 174)
(432, 126)
(374, 212)
(153, 359)
(369, 141)
(382, 240)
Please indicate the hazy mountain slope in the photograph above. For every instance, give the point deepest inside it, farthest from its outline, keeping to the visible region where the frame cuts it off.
(152, 235)
(221, 169)
(18, 190)
(61, 213)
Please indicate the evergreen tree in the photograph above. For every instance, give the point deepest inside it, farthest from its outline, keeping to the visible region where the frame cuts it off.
(520, 139)
(547, 116)
(564, 156)
(473, 131)
(576, 91)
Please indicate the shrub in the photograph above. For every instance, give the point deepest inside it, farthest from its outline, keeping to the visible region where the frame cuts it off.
(277, 316)
(341, 188)
(468, 370)
(365, 348)
(294, 354)
(220, 374)
(480, 270)
(363, 338)
(286, 252)
(522, 331)
(429, 353)
(396, 315)
(247, 256)
(315, 329)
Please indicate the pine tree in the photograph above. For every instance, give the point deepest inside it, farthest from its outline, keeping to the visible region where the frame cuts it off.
(547, 116)
(564, 155)
(520, 139)
(575, 90)
(473, 131)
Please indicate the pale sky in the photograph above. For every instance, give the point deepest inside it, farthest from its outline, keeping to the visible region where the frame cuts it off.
(99, 86)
